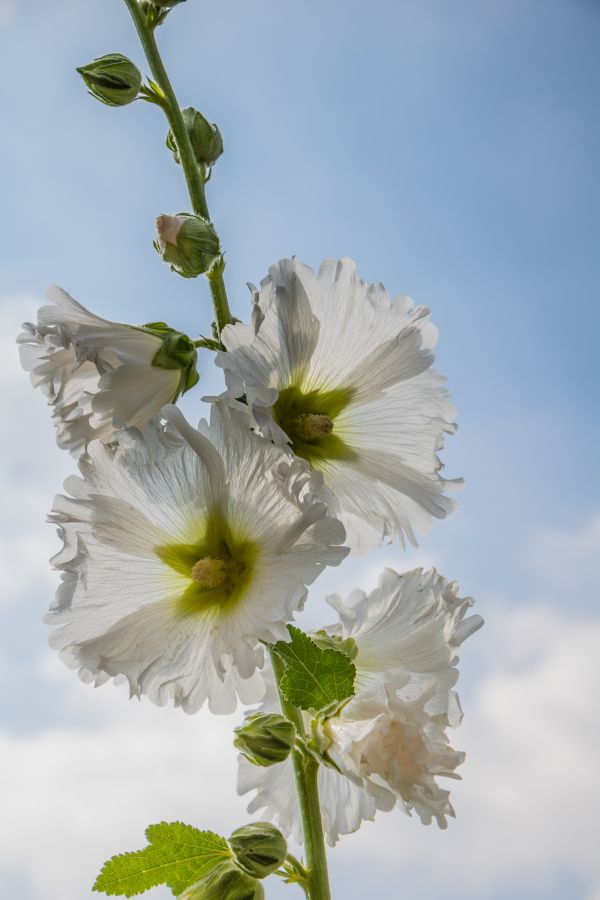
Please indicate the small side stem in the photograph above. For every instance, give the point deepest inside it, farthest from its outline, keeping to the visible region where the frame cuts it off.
(306, 772)
(191, 170)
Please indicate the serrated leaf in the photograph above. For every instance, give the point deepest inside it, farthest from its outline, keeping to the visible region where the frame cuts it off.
(177, 855)
(314, 678)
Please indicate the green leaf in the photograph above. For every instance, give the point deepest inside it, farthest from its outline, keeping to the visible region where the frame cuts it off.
(177, 855)
(314, 678)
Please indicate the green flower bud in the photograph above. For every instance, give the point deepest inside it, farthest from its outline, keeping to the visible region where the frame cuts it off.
(265, 739)
(259, 848)
(155, 15)
(206, 139)
(188, 243)
(177, 352)
(225, 882)
(112, 79)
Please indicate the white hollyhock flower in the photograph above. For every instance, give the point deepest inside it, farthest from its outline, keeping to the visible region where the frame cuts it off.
(414, 621)
(182, 551)
(388, 750)
(342, 373)
(403, 639)
(100, 375)
(394, 748)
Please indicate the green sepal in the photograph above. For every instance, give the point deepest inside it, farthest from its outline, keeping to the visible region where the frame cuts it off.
(336, 642)
(265, 739)
(206, 139)
(155, 14)
(176, 352)
(113, 79)
(225, 882)
(178, 855)
(259, 848)
(314, 678)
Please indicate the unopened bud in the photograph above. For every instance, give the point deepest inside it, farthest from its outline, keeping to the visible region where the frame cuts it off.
(205, 138)
(112, 79)
(165, 4)
(265, 739)
(259, 848)
(178, 351)
(225, 882)
(188, 243)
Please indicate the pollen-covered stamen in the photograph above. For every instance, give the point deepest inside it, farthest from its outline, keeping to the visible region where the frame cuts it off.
(311, 427)
(213, 573)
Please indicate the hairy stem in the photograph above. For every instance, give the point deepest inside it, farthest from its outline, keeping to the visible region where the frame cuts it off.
(306, 772)
(191, 170)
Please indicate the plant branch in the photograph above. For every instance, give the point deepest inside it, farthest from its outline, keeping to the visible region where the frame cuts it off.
(306, 772)
(193, 176)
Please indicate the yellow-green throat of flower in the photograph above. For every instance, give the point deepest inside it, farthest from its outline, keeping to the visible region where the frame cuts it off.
(309, 420)
(218, 567)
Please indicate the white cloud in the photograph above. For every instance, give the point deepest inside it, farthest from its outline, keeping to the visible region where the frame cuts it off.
(72, 798)
(566, 563)
(527, 807)
(7, 10)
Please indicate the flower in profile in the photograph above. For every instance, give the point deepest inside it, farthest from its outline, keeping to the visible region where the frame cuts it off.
(336, 370)
(183, 550)
(388, 743)
(414, 621)
(101, 376)
(383, 749)
(394, 748)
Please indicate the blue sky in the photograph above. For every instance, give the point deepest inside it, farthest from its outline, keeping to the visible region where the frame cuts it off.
(452, 150)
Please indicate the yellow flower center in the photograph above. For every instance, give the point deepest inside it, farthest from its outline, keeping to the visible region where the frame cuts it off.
(217, 567)
(212, 573)
(310, 427)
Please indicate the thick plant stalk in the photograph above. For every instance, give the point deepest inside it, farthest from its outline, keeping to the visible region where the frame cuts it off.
(193, 177)
(306, 773)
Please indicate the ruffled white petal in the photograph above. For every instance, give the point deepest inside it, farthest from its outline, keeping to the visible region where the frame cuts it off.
(97, 375)
(395, 747)
(117, 605)
(331, 331)
(415, 622)
(389, 741)
(344, 804)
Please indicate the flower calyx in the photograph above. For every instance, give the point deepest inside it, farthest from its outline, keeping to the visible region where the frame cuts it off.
(336, 642)
(188, 243)
(226, 881)
(154, 13)
(206, 139)
(113, 79)
(259, 848)
(176, 352)
(265, 739)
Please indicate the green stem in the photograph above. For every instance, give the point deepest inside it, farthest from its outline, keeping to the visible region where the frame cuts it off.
(193, 176)
(306, 773)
